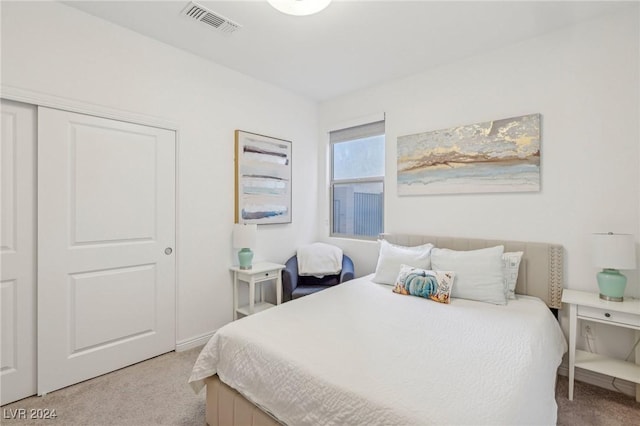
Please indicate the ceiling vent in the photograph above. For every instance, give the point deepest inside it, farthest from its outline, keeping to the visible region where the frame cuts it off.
(214, 20)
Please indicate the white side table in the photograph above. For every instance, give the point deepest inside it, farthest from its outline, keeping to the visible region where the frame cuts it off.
(589, 307)
(260, 273)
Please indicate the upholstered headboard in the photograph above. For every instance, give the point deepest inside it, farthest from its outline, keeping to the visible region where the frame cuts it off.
(541, 271)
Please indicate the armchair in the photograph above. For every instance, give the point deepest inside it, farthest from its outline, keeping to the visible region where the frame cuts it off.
(295, 286)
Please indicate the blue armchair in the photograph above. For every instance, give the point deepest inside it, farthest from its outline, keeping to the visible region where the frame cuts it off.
(295, 286)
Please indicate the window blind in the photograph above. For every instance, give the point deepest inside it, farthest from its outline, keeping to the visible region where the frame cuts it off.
(357, 132)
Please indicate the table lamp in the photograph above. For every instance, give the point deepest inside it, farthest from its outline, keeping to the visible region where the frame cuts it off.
(244, 238)
(613, 252)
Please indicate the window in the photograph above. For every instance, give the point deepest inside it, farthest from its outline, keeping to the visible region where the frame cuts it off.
(357, 181)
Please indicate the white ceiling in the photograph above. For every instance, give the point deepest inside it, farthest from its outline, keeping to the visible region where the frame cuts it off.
(350, 45)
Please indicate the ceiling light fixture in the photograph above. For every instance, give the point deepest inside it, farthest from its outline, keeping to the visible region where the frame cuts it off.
(299, 7)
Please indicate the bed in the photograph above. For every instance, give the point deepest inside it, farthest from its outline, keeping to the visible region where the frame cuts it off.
(359, 353)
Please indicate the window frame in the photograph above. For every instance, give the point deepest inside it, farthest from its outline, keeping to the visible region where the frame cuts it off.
(354, 181)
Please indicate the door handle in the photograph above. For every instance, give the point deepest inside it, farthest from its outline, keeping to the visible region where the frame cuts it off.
(168, 251)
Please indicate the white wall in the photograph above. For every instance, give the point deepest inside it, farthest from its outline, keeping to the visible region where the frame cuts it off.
(52, 49)
(585, 82)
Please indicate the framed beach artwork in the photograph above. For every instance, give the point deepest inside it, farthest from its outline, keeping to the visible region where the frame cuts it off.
(493, 156)
(263, 179)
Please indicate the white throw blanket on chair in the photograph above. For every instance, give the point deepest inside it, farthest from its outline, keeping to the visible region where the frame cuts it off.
(319, 259)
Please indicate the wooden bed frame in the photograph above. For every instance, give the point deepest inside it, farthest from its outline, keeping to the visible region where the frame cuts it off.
(541, 274)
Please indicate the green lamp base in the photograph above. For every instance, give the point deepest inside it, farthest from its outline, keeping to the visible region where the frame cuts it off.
(245, 256)
(612, 284)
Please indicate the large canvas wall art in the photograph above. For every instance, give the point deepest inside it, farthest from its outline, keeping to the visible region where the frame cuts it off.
(493, 156)
(263, 179)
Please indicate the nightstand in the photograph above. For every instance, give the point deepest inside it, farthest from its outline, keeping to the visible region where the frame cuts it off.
(260, 273)
(589, 307)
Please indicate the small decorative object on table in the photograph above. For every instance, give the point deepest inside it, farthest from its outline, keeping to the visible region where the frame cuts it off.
(244, 238)
(613, 252)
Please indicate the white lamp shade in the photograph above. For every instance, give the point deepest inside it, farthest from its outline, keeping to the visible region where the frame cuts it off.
(614, 251)
(244, 235)
(299, 7)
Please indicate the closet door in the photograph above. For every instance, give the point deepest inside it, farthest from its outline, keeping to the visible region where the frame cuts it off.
(106, 233)
(18, 241)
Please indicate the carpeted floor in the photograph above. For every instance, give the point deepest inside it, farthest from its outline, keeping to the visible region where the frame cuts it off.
(593, 405)
(155, 392)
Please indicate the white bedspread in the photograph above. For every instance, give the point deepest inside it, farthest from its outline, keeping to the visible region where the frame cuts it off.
(358, 354)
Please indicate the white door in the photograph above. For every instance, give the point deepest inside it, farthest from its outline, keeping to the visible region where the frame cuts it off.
(18, 282)
(106, 234)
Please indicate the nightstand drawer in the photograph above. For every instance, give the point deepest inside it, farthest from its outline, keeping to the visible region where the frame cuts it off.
(269, 275)
(608, 315)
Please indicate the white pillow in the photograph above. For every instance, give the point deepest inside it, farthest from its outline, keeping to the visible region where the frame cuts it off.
(510, 266)
(392, 256)
(479, 273)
